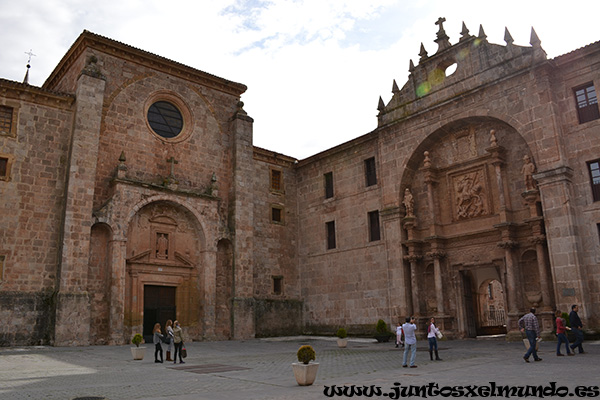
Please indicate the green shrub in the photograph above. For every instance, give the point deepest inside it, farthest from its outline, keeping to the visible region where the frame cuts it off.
(341, 333)
(381, 328)
(305, 354)
(137, 339)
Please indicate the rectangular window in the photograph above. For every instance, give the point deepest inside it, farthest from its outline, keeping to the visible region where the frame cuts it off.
(374, 231)
(328, 185)
(587, 103)
(594, 168)
(330, 235)
(276, 183)
(5, 165)
(276, 214)
(2, 259)
(277, 285)
(6, 116)
(370, 172)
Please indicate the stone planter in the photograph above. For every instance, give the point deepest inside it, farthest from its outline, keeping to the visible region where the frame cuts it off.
(305, 374)
(138, 353)
(342, 342)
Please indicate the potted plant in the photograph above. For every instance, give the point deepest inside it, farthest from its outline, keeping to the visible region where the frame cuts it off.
(138, 352)
(342, 335)
(382, 333)
(304, 372)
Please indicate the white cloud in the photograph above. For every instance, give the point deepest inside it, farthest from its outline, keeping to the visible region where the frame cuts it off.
(315, 68)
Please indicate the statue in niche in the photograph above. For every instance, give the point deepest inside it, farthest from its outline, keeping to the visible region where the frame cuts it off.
(528, 170)
(469, 199)
(162, 246)
(409, 203)
(493, 140)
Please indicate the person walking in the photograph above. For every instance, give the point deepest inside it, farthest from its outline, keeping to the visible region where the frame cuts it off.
(410, 342)
(529, 324)
(178, 341)
(157, 338)
(399, 335)
(561, 334)
(577, 328)
(432, 332)
(169, 336)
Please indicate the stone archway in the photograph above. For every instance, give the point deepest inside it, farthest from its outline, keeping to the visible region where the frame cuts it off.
(492, 309)
(164, 250)
(463, 192)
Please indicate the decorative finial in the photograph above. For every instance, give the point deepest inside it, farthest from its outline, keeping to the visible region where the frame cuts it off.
(395, 87)
(411, 66)
(481, 34)
(426, 160)
(423, 52)
(507, 37)
(381, 105)
(464, 32)
(122, 158)
(534, 40)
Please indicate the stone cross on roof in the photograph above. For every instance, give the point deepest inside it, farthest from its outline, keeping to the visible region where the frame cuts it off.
(442, 39)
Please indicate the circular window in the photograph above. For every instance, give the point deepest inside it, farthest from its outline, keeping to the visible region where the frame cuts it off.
(165, 119)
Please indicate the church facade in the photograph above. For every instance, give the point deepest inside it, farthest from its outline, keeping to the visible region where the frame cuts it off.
(133, 194)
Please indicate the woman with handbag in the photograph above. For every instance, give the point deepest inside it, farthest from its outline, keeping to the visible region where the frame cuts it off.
(178, 341)
(157, 338)
(432, 334)
(169, 339)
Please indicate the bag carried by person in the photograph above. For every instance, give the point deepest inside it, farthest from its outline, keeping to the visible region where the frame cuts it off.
(439, 335)
(183, 352)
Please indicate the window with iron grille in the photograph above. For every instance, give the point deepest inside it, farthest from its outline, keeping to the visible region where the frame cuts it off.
(276, 180)
(594, 168)
(374, 230)
(587, 103)
(6, 116)
(276, 214)
(330, 235)
(370, 172)
(328, 185)
(165, 119)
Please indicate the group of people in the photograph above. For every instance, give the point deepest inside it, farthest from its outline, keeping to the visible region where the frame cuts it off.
(407, 331)
(172, 337)
(530, 326)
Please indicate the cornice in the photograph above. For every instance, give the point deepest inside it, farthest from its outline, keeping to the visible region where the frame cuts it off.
(24, 92)
(117, 49)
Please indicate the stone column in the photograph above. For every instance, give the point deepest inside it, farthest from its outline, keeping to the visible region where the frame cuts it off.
(118, 250)
(397, 287)
(430, 181)
(540, 241)
(511, 284)
(437, 272)
(414, 286)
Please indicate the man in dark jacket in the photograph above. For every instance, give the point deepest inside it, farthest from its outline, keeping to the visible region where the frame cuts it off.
(576, 328)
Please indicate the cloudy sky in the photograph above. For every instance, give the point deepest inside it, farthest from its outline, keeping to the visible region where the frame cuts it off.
(314, 68)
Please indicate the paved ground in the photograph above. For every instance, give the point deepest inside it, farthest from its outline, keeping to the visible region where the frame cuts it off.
(261, 369)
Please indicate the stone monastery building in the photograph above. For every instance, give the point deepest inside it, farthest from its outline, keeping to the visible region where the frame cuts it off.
(132, 193)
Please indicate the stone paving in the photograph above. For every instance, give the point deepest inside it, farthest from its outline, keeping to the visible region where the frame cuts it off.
(261, 369)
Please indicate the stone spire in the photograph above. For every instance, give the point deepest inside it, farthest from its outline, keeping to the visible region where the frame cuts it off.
(395, 87)
(481, 34)
(381, 105)
(423, 52)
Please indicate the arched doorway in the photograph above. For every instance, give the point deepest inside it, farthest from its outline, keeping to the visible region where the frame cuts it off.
(492, 310)
(163, 281)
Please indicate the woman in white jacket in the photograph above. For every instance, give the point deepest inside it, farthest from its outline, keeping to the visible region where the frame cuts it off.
(432, 332)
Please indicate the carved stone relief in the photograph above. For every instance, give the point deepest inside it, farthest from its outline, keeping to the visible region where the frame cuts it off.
(470, 194)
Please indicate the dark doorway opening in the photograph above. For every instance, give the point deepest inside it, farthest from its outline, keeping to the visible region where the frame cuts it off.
(159, 306)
